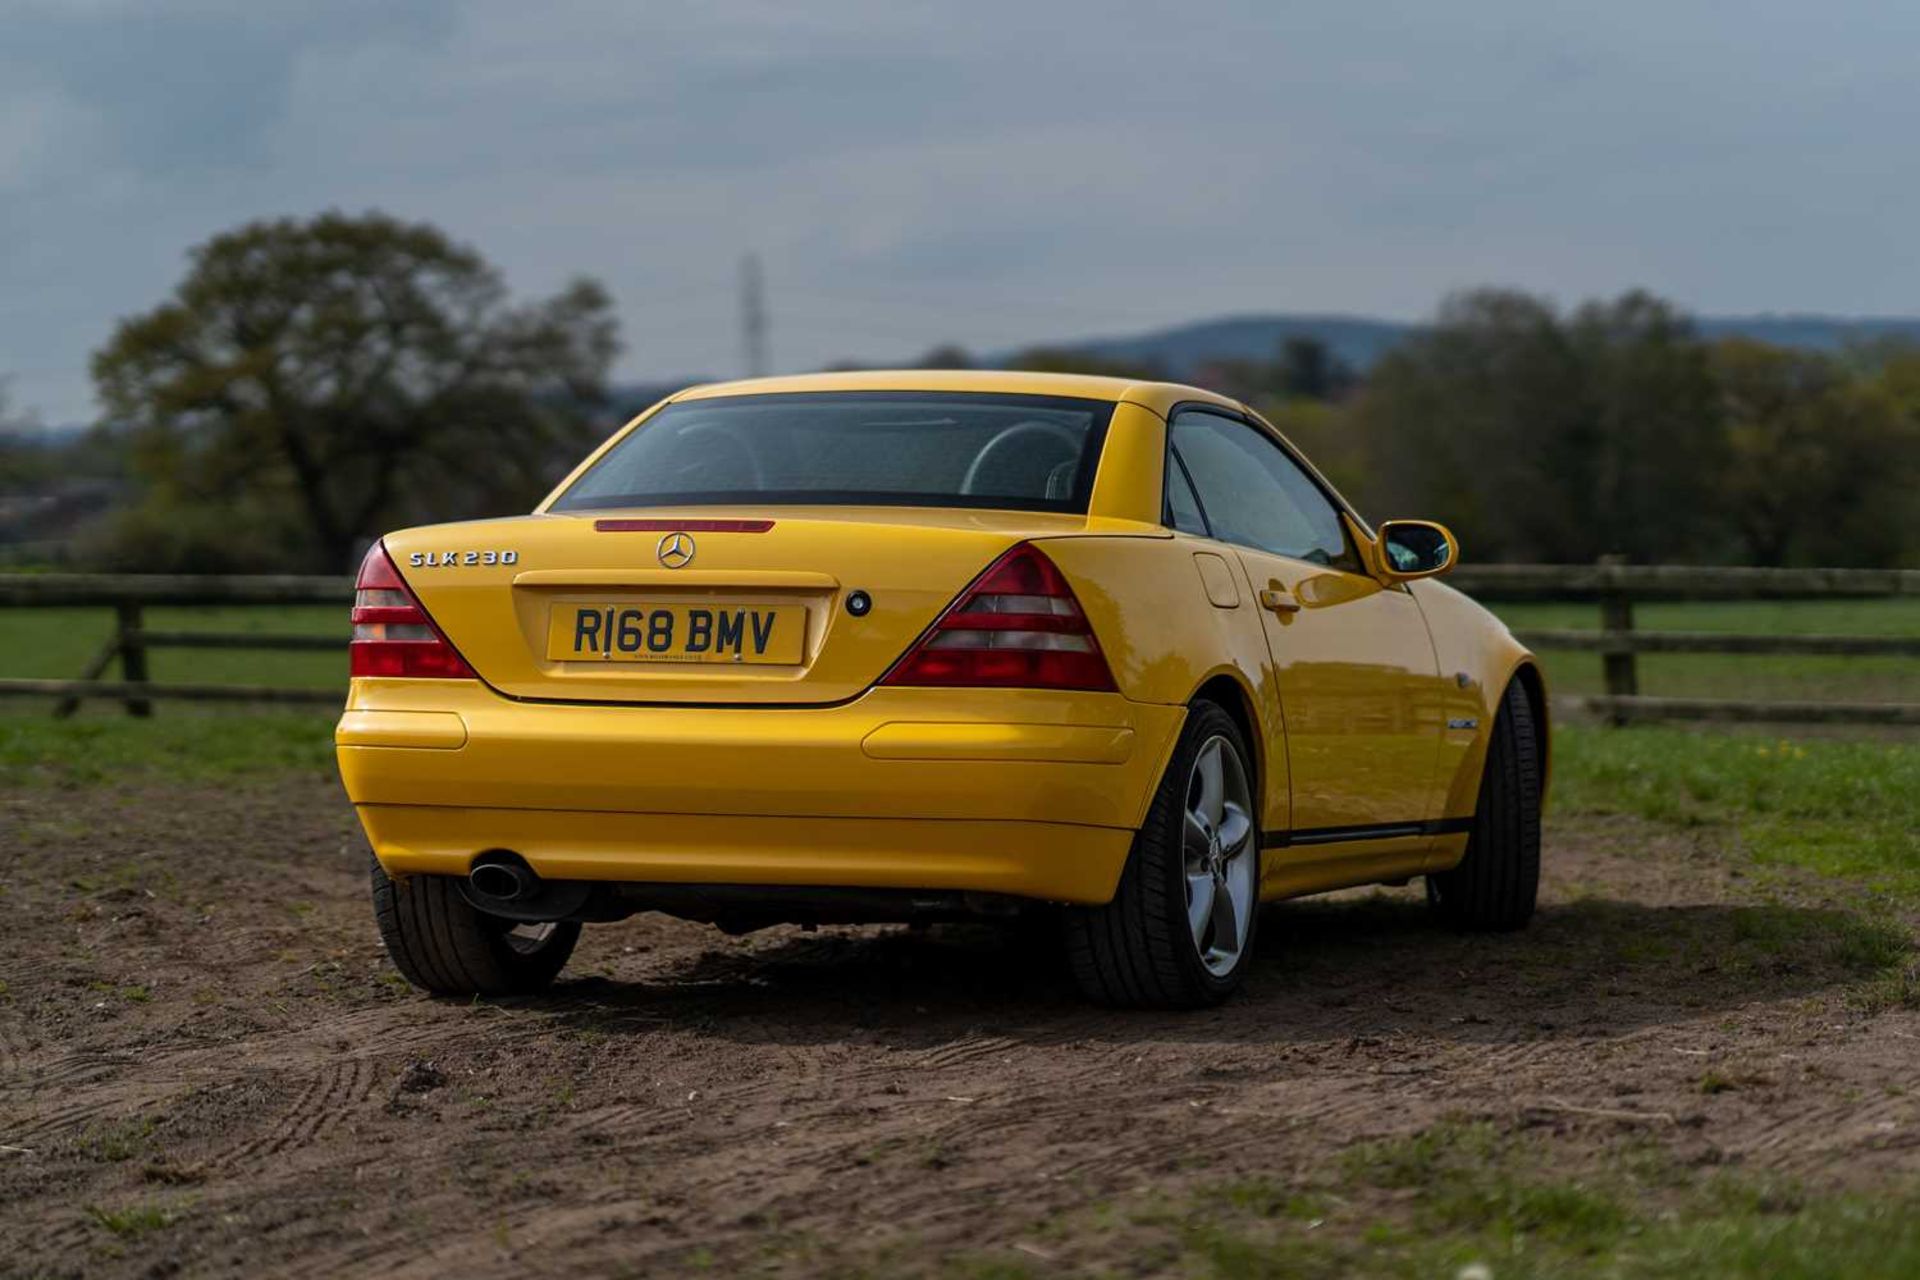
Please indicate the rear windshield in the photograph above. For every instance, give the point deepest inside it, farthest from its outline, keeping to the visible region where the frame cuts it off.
(888, 448)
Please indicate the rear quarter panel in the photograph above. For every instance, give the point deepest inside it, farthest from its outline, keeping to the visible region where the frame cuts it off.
(1164, 638)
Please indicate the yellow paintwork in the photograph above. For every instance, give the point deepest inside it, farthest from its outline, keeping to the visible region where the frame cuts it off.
(914, 559)
(809, 774)
(1023, 768)
(1035, 860)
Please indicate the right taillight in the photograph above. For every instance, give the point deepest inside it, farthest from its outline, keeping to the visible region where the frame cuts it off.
(392, 634)
(1018, 626)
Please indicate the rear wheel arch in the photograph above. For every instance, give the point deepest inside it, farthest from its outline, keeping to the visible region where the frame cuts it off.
(1156, 943)
(1228, 692)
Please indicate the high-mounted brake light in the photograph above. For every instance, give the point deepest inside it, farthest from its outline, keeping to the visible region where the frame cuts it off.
(681, 526)
(392, 634)
(1018, 626)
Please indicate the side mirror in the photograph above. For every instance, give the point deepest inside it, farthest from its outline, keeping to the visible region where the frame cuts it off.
(1409, 549)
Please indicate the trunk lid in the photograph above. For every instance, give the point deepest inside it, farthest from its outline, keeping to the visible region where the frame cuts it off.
(563, 607)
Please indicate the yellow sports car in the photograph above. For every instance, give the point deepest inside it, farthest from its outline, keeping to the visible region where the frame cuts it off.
(927, 646)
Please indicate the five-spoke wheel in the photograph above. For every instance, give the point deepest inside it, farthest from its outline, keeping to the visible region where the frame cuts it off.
(1180, 928)
(1222, 864)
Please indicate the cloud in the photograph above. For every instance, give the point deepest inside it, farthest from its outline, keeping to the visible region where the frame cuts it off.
(915, 172)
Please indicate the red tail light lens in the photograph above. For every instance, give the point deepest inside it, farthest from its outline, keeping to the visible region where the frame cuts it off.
(1018, 626)
(392, 634)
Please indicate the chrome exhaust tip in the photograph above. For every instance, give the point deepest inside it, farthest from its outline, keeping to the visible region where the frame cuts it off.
(503, 881)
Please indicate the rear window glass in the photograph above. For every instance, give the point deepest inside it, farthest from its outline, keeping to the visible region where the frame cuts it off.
(886, 448)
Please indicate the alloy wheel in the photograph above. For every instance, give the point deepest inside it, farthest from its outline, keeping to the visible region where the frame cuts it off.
(1222, 862)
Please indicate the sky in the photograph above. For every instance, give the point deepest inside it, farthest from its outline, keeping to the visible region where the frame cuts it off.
(982, 172)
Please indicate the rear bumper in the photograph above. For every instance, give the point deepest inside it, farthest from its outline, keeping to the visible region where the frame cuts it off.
(1007, 791)
(1054, 861)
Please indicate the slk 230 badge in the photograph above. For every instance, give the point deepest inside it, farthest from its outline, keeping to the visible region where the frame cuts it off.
(435, 559)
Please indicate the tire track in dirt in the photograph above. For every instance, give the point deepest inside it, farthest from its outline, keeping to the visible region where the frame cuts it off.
(73, 1119)
(1807, 1140)
(323, 1104)
(69, 1235)
(67, 1070)
(559, 1133)
(14, 1048)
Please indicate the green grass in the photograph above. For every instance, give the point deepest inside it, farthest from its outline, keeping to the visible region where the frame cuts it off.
(1749, 676)
(182, 740)
(55, 644)
(178, 743)
(1465, 1199)
(1836, 808)
(134, 1221)
(118, 1140)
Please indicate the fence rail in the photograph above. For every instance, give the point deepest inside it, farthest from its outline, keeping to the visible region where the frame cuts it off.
(66, 589)
(1615, 587)
(128, 595)
(1612, 586)
(1611, 578)
(1718, 642)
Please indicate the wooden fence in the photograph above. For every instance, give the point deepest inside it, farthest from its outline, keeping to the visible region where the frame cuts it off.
(1613, 587)
(128, 595)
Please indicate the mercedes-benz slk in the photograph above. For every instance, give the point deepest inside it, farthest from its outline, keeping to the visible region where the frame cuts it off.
(932, 645)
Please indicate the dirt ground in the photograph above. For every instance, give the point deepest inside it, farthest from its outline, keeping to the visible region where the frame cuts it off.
(206, 1066)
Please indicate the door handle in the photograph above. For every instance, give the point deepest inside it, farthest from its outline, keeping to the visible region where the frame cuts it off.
(1279, 601)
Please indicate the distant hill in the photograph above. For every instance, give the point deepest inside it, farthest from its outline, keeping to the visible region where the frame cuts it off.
(1817, 333)
(1358, 340)
(1180, 350)
(1361, 341)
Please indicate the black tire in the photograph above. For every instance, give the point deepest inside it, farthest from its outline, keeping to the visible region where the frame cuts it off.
(1496, 885)
(1138, 950)
(442, 945)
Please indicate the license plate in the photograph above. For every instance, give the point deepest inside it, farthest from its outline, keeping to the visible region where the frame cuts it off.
(602, 631)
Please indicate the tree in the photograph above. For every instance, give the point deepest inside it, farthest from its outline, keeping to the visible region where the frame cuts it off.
(1068, 360)
(948, 355)
(1780, 406)
(20, 462)
(1886, 463)
(313, 383)
(1309, 370)
(1544, 437)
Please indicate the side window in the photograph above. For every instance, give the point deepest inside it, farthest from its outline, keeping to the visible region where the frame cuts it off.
(1254, 494)
(1183, 509)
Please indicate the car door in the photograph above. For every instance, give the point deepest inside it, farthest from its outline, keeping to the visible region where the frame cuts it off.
(1351, 657)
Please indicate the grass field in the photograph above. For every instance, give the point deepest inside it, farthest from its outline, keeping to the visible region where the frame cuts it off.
(1755, 676)
(1837, 808)
(53, 644)
(1465, 1200)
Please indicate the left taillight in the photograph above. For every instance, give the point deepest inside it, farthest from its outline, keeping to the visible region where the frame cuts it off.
(392, 634)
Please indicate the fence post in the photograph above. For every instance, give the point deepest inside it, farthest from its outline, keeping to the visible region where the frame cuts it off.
(1616, 615)
(95, 668)
(133, 654)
